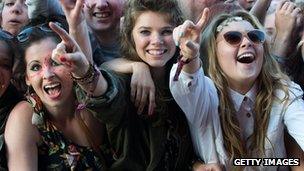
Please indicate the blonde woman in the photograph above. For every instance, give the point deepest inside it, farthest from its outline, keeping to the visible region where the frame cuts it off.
(247, 103)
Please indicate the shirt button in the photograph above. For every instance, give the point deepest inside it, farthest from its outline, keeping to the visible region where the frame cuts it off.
(248, 115)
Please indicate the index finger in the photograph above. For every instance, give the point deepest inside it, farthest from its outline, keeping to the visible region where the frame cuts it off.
(279, 6)
(61, 32)
(202, 21)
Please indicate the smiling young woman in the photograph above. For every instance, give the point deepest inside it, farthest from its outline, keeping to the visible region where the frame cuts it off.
(248, 100)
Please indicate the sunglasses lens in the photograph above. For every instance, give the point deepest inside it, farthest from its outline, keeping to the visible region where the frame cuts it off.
(233, 37)
(256, 36)
(24, 35)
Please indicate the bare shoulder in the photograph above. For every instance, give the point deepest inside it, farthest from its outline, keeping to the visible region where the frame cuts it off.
(19, 123)
(21, 138)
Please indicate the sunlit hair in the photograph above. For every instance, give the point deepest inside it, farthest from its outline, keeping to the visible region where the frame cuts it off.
(270, 79)
(134, 9)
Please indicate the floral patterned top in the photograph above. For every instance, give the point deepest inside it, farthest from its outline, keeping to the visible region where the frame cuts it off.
(56, 152)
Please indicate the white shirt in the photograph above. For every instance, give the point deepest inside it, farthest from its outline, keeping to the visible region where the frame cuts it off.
(244, 106)
(197, 96)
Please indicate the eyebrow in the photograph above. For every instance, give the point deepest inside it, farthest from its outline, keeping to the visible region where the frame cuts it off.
(166, 27)
(34, 61)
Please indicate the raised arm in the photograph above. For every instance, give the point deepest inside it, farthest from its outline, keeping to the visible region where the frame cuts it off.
(285, 22)
(260, 8)
(78, 29)
(197, 96)
(21, 138)
(69, 54)
(187, 37)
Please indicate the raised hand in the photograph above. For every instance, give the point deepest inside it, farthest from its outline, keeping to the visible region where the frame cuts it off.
(285, 22)
(187, 36)
(286, 15)
(73, 11)
(68, 53)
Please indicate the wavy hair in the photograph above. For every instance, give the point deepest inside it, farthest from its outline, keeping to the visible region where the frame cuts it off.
(269, 80)
(133, 10)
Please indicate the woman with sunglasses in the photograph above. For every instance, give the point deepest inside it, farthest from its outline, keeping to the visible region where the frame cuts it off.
(9, 96)
(248, 100)
(55, 129)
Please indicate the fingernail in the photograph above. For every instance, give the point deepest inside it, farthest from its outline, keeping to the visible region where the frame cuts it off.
(62, 59)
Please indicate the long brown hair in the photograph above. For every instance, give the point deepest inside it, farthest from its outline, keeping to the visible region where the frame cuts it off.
(269, 80)
(136, 7)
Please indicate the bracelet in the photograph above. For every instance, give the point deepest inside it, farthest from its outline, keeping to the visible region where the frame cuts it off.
(180, 65)
(87, 78)
(90, 79)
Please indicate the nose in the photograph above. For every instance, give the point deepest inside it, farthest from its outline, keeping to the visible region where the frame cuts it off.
(157, 39)
(17, 8)
(246, 42)
(101, 4)
(48, 73)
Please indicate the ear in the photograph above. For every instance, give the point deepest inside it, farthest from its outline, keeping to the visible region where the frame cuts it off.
(27, 80)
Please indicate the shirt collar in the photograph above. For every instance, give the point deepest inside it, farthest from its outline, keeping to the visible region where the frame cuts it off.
(238, 98)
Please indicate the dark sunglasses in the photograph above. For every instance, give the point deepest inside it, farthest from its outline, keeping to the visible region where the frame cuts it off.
(235, 38)
(25, 34)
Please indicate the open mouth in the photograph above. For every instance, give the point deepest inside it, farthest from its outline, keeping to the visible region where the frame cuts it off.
(53, 89)
(157, 52)
(245, 58)
(101, 14)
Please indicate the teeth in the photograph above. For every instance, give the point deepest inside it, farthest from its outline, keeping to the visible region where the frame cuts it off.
(245, 58)
(51, 86)
(102, 15)
(156, 52)
(246, 55)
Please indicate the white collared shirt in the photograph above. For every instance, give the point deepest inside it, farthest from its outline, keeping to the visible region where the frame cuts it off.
(244, 107)
(196, 94)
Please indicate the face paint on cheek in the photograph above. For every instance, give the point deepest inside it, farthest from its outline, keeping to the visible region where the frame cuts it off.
(36, 74)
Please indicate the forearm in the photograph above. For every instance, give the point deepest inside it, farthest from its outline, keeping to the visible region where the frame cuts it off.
(81, 35)
(260, 9)
(192, 66)
(93, 82)
(121, 65)
(281, 45)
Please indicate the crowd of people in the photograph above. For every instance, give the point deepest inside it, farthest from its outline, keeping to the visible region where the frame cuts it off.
(150, 84)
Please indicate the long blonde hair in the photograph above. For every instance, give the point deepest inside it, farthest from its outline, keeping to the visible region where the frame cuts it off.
(269, 80)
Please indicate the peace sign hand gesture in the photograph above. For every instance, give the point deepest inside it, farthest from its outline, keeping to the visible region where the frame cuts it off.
(187, 37)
